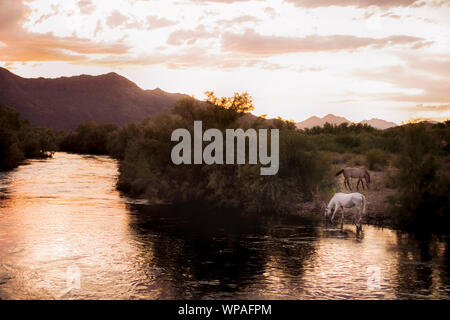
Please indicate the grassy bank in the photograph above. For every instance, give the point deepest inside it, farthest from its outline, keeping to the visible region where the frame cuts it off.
(410, 184)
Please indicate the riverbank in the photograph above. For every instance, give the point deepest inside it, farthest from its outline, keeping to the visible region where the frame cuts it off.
(377, 196)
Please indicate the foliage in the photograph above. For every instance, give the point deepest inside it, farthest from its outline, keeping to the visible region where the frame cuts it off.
(376, 159)
(19, 139)
(89, 137)
(147, 169)
(423, 198)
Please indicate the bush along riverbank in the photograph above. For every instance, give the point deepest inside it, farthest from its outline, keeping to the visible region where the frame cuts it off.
(19, 139)
(147, 169)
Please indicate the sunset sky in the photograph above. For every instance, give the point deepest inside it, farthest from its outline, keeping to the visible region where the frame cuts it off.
(360, 59)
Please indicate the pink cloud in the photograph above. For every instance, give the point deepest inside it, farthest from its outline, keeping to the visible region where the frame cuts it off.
(430, 75)
(86, 6)
(22, 45)
(179, 37)
(116, 19)
(154, 22)
(238, 20)
(356, 3)
(253, 43)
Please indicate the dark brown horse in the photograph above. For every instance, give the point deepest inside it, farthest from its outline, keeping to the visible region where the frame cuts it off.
(359, 173)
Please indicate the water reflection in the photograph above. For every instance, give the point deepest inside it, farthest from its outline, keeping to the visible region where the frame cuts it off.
(65, 212)
(422, 266)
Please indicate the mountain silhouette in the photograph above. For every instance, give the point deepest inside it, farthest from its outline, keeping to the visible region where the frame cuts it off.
(332, 119)
(65, 102)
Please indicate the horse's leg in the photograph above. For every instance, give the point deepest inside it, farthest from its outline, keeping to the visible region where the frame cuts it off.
(334, 212)
(357, 185)
(342, 218)
(362, 183)
(359, 216)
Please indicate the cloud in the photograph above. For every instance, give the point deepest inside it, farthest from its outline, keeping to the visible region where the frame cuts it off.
(271, 12)
(390, 15)
(56, 9)
(219, 1)
(356, 3)
(11, 14)
(46, 47)
(19, 44)
(154, 22)
(429, 75)
(238, 20)
(433, 108)
(188, 57)
(86, 6)
(98, 28)
(116, 19)
(179, 37)
(423, 112)
(253, 43)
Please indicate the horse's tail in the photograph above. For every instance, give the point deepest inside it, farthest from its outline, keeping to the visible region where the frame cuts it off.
(363, 204)
(342, 171)
(367, 175)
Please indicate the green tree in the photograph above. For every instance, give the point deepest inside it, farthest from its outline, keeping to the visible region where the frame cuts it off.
(423, 197)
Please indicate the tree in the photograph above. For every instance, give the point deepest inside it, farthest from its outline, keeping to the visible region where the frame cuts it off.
(423, 197)
(239, 102)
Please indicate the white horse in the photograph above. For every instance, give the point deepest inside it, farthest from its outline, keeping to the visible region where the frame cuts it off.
(347, 200)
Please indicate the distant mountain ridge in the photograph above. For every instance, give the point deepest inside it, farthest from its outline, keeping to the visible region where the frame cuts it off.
(332, 119)
(65, 102)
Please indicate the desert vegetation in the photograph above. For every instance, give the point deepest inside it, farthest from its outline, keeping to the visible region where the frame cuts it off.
(146, 168)
(422, 201)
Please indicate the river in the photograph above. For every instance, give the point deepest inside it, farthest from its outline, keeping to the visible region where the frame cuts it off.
(67, 233)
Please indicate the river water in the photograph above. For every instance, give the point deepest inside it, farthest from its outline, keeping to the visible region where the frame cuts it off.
(66, 233)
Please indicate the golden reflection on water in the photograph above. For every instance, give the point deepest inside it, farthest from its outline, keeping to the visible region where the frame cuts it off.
(339, 265)
(65, 213)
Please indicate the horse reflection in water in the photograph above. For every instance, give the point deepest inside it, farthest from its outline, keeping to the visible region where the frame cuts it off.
(347, 200)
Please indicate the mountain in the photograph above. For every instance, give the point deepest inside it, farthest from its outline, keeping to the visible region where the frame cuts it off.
(332, 119)
(65, 102)
(379, 123)
(316, 121)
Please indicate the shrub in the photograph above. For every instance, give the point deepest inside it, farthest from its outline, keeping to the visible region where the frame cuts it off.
(376, 159)
(19, 139)
(147, 169)
(423, 198)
